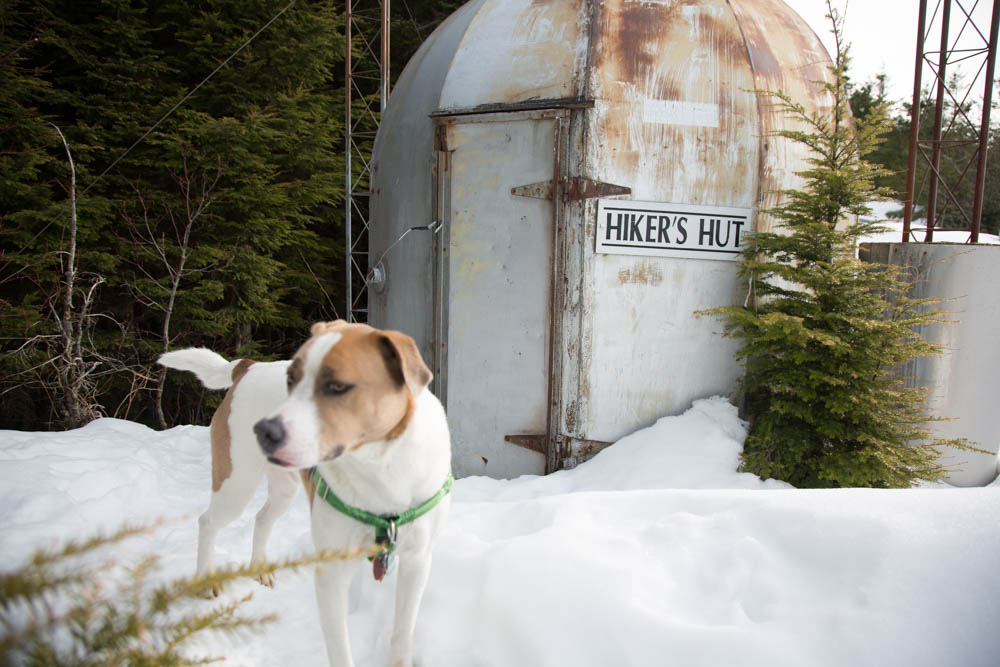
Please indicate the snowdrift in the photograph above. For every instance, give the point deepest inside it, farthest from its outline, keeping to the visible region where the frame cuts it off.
(656, 552)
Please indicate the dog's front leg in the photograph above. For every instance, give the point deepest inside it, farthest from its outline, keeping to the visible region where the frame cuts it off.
(332, 584)
(281, 489)
(414, 570)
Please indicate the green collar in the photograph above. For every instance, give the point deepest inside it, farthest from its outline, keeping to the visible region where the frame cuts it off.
(385, 525)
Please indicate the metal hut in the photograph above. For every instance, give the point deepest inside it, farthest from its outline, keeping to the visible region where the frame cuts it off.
(587, 170)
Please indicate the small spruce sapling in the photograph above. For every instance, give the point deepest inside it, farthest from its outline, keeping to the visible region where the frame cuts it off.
(823, 333)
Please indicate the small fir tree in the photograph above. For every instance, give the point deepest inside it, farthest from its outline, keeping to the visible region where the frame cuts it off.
(823, 334)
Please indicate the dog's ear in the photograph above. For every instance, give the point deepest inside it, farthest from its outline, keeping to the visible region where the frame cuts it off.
(321, 328)
(403, 360)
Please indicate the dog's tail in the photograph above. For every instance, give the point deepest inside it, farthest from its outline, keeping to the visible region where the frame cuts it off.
(214, 370)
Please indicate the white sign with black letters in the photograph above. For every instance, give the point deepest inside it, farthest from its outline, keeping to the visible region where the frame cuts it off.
(661, 229)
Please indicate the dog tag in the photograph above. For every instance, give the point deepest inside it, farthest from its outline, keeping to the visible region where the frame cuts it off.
(383, 564)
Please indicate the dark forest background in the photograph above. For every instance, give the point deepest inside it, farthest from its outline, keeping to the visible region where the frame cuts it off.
(223, 228)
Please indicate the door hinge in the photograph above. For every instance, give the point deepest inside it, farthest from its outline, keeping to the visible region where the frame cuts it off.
(541, 190)
(536, 443)
(539, 443)
(574, 189)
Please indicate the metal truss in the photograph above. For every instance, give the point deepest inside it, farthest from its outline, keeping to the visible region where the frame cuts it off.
(366, 92)
(968, 44)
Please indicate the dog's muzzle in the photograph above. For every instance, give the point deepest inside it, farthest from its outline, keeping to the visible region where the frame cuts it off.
(270, 434)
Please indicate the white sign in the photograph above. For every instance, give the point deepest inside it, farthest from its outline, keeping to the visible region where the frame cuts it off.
(694, 231)
(674, 112)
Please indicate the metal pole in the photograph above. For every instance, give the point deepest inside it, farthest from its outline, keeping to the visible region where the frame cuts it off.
(911, 168)
(984, 132)
(348, 140)
(938, 117)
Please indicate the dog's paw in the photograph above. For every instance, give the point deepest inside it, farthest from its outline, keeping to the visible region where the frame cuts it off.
(267, 579)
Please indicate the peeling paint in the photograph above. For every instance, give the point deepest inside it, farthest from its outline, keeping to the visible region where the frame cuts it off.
(785, 56)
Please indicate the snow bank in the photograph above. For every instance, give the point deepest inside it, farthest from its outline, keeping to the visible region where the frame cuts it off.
(699, 449)
(718, 578)
(655, 552)
(894, 227)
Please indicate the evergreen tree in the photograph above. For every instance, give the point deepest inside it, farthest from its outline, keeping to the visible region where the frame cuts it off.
(24, 137)
(34, 192)
(892, 152)
(825, 332)
(24, 134)
(221, 228)
(412, 22)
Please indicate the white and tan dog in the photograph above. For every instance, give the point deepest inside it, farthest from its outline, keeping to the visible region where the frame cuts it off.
(358, 410)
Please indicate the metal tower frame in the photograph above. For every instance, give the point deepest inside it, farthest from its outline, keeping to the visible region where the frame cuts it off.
(366, 88)
(948, 53)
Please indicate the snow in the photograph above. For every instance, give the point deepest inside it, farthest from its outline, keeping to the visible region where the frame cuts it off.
(881, 211)
(654, 552)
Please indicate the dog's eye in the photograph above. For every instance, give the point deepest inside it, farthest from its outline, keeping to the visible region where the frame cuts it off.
(291, 382)
(336, 388)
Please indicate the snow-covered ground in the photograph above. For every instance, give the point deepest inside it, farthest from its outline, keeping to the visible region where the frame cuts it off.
(894, 232)
(656, 552)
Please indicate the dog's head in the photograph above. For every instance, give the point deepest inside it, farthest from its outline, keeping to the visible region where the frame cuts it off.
(348, 385)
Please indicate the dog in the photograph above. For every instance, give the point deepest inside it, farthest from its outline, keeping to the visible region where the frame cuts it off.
(352, 416)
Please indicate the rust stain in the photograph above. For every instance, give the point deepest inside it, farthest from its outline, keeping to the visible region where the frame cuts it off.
(631, 38)
(787, 56)
(643, 273)
(689, 53)
(635, 46)
(219, 432)
(570, 419)
(773, 33)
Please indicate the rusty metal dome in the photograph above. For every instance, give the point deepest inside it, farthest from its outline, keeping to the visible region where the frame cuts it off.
(657, 99)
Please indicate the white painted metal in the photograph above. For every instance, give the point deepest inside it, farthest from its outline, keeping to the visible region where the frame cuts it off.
(519, 49)
(963, 383)
(499, 250)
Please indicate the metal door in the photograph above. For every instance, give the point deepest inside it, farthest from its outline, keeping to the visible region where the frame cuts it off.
(495, 289)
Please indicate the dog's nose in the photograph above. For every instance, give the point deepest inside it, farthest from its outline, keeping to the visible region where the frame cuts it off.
(270, 434)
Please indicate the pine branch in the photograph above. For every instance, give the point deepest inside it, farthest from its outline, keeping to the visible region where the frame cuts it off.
(115, 616)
